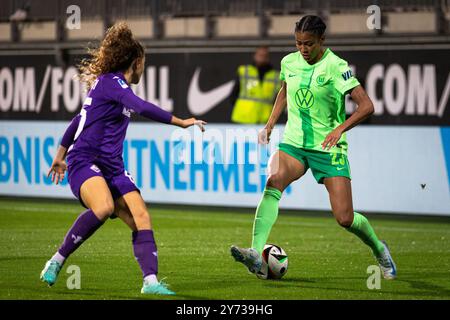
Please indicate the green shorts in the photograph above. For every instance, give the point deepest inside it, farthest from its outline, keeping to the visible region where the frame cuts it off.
(322, 164)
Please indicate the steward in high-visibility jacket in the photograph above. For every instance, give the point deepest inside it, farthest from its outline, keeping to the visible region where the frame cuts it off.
(258, 87)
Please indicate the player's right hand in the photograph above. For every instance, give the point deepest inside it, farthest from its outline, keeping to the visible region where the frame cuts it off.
(264, 136)
(57, 170)
(194, 122)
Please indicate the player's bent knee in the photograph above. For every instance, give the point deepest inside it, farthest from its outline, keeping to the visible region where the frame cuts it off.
(141, 218)
(345, 221)
(275, 181)
(141, 214)
(103, 209)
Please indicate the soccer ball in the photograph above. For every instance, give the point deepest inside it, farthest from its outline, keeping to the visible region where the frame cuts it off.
(274, 262)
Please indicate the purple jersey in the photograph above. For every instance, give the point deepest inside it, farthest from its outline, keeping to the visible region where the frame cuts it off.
(96, 135)
(102, 123)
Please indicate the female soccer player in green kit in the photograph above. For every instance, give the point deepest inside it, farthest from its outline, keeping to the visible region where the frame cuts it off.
(314, 84)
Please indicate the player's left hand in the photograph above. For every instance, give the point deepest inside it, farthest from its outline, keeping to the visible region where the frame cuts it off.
(332, 139)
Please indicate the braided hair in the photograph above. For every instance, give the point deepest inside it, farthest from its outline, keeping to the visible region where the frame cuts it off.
(312, 24)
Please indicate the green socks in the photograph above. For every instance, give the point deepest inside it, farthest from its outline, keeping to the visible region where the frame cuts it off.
(363, 230)
(266, 215)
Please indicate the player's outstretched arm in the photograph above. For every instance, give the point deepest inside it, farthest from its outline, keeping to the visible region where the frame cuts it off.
(278, 107)
(363, 111)
(151, 111)
(186, 123)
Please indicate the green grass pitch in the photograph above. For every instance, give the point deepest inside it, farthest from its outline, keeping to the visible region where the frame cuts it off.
(325, 261)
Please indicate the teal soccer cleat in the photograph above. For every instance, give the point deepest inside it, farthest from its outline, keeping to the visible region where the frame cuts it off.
(156, 288)
(249, 257)
(387, 264)
(50, 272)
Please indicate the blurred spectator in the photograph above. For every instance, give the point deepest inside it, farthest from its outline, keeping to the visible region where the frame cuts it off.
(255, 90)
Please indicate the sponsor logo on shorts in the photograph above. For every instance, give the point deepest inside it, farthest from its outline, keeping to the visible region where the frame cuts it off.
(95, 168)
(128, 175)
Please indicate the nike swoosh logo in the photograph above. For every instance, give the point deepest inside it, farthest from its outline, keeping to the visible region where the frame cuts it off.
(292, 75)
(339, 169)
(200, 102)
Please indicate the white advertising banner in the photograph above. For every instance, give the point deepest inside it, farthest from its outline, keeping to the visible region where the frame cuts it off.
(394, 169)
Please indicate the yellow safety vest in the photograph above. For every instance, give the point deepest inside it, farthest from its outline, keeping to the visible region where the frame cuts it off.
(256, 97)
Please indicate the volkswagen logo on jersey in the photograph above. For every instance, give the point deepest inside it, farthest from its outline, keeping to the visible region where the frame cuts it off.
(304, 98)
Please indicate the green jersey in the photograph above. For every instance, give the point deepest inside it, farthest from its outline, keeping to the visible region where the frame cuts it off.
(315, 99)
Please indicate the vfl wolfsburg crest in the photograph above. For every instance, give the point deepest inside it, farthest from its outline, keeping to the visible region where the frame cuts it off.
(304, 98)
(320, 80)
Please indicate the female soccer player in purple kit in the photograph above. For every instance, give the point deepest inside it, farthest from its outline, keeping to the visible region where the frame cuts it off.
(93, 143)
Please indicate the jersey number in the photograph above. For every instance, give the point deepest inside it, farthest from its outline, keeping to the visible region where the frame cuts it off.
(81, 124)
(335, 161)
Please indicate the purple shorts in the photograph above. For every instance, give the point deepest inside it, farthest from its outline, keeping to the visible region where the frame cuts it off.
(81, 168)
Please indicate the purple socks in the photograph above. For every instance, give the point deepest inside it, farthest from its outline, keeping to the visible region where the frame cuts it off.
(145, 252)
(85, 225)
